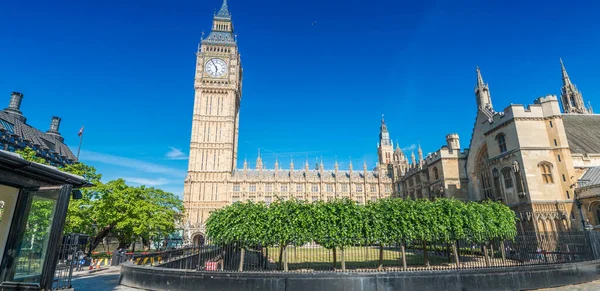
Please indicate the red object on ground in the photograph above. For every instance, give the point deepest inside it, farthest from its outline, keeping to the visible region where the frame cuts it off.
(211, 266)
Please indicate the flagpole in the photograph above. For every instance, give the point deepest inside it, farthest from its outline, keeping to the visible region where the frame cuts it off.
(79, 147)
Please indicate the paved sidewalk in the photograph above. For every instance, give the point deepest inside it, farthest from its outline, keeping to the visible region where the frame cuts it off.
(590, 286)
(103, 280)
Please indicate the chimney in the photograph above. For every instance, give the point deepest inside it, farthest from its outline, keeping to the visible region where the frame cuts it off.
(15, 103)
(54, 124)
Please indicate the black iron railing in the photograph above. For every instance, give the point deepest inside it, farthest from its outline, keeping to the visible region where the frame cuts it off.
(73, 245)
(525, 249)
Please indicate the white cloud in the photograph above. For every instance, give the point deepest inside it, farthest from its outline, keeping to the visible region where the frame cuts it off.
(138, 165)
(176, 154)
(409, 148)
(148, 182)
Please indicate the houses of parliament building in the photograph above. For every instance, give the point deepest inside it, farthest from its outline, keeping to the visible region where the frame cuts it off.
(532, 158)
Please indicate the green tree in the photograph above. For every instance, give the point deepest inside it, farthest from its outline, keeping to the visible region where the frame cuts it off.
(158, 212)
(337, 225)
(289, 223)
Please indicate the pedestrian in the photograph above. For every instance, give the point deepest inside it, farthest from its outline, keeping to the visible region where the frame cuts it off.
(80, 260)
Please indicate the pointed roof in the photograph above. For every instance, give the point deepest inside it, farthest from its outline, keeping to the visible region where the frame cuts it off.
(224, 11)
(383, 126)
(565, 76)
(480, 82)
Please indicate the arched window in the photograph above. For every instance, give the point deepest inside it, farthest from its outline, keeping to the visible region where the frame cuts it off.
(483, 172)
(497, 188)
(546, 170)
(436, 175)
(501, 138)
(508, 181)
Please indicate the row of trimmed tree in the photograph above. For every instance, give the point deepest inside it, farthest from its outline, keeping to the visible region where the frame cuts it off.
(341, 223)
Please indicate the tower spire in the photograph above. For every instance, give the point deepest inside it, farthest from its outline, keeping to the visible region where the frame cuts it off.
(224, 11)
(480, 82)
(572, 100)
(565, 76)
(259, 163)
(482, 93)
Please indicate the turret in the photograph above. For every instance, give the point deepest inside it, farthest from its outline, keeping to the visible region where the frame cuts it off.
(306, 166)
(259, 163)
(453, 142)
(412, 158)
(420, 152)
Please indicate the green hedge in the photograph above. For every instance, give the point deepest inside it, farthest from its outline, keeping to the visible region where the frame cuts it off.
(342, 222)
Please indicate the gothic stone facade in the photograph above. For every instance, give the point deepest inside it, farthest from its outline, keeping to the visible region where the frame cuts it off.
(520, 156)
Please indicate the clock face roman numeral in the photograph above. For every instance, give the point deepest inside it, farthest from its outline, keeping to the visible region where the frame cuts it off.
(215, 67)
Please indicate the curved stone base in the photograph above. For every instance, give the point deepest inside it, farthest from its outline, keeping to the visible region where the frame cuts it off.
(517, 278)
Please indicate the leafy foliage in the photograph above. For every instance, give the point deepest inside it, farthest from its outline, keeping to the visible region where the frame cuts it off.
(115, 208)
(340, 223)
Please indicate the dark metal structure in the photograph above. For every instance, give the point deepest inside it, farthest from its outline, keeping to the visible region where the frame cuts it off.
(72, 246)
(35, 199)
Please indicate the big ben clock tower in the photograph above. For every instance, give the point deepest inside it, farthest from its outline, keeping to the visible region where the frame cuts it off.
(213, 145)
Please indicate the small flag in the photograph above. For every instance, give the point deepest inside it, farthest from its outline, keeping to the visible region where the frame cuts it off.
(80, 133)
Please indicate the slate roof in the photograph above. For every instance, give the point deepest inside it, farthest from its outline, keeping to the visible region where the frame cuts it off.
(583, 132)
(220, 37)
(25, 132)
(591, 176)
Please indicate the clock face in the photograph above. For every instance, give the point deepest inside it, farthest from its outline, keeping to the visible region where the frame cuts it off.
(215, 67)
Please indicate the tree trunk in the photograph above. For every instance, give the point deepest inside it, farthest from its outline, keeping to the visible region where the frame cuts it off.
(241, 266)
(285, 259)
(334, 258)
(455, 251)
(266, 258)
(425, 255)
(280, 257)
(343, 259)
(98, 239)
(503, 252)
(485, 255)
(380, 257)
(403, 249)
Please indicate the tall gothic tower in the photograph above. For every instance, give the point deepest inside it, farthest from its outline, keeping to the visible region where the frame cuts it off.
(214, 141)
(571, 98)
(385, 148)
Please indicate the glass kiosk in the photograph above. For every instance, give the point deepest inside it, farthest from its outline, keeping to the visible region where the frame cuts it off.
(33, 208)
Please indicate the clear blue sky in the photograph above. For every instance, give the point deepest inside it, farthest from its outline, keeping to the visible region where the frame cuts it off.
(125, 70)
